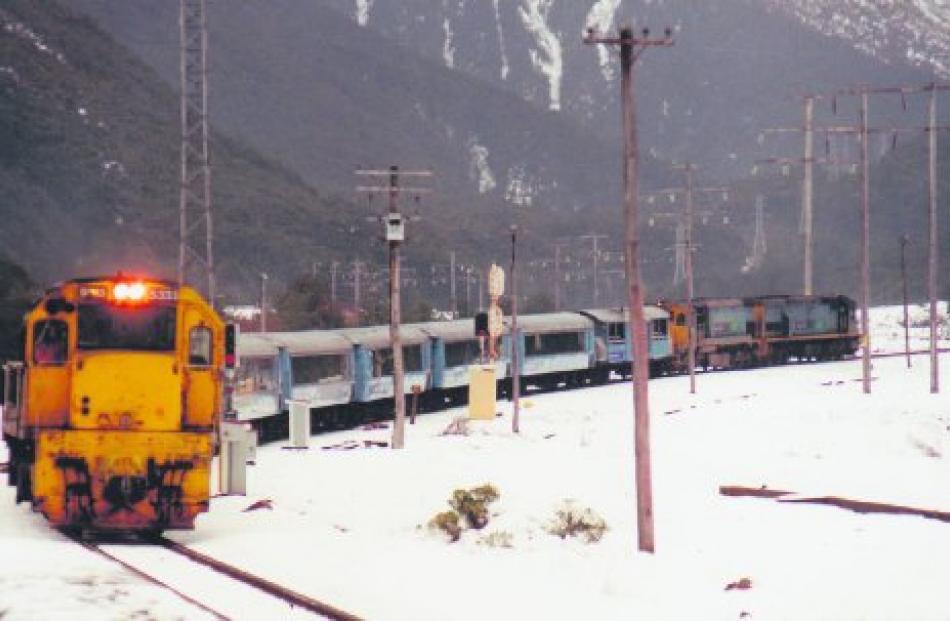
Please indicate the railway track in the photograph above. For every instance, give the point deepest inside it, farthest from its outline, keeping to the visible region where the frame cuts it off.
(913, 352)
(237, 593)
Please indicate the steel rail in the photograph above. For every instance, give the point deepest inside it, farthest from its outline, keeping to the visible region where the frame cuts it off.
(92, 547)
(292, 597)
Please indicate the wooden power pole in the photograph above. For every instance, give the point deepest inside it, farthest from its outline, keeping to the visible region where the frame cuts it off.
(630, 49)
(515, 338)
(395, 235)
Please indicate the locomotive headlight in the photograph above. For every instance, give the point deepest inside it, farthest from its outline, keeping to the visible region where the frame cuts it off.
(129, 292)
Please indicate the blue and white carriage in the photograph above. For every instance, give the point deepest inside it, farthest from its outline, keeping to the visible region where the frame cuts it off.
(613, 345)
(345, 376)
(373, 358)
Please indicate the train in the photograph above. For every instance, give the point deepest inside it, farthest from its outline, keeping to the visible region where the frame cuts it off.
(345, 376)
(111, 417)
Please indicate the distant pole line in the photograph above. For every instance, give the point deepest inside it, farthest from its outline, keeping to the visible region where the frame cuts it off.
(933, 251)
(515, 337)
(687, 248)
(263, 324)
(904, 240)
(595, 239)
(454, 305)
(630, 49)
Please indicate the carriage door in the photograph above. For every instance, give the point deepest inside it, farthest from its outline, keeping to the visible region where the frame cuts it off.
(200, 392)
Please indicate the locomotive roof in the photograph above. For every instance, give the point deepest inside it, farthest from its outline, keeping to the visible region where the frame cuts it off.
(377, 337)
(552, 322)
(618, 315)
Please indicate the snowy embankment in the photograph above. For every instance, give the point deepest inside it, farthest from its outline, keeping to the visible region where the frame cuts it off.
(349, 525)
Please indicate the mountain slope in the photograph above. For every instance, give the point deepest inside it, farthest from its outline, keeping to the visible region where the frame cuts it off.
(89, 163)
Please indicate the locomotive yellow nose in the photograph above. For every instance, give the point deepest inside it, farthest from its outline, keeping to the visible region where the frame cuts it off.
(128, 390)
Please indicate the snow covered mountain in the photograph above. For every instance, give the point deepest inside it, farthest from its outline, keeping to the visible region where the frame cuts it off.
(917, 31)
(737, 65)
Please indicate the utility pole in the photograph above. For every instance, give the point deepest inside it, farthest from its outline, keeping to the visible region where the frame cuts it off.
(904, 240)
(759, 241)
(454, 298)
(932, 242)
(468, 291)
(863, 131)
(686, 244)
(807, 195)
(515, 336)
(630, 49)
(557, 277)
(263, 302)
(481, 288)
(194, 205)
(395, 235)
(595, 259)
(333, 267)
(357, 267)
(865, 248)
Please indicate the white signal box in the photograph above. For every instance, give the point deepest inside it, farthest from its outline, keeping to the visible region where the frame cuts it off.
(395, 227)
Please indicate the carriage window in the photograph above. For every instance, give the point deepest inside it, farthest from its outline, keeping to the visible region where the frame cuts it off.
(412, 358)
(462, 353)
(383, 360)
(50, 341)
(199, 347)
(659, 328)
(316, 369)
(554, 343)
(616, 332)
(256, 375)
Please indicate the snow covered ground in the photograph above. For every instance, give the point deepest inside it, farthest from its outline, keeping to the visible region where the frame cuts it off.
(349, 526)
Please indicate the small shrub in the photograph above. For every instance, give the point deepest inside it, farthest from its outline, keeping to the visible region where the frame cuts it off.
(497, 539)
(570, 521)
(473, 504)
(447, 522)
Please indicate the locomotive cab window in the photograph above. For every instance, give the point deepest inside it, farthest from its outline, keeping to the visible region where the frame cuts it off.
(141, 328)
(199, 347)
(658, 328)
(50, 341)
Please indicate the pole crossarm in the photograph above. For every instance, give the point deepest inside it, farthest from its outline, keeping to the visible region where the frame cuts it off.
(382, 189)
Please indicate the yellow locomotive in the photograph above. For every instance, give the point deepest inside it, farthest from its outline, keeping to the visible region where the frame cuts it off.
(111, 417)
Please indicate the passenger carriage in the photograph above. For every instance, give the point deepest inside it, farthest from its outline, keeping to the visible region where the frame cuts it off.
(614, 346)
(454, 348)
(373, 361)
(555, 348)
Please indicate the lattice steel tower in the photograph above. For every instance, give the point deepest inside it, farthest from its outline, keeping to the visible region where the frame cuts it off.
(195, 249)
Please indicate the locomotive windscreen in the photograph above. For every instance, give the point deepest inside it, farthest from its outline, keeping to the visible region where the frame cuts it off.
(145, 328)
